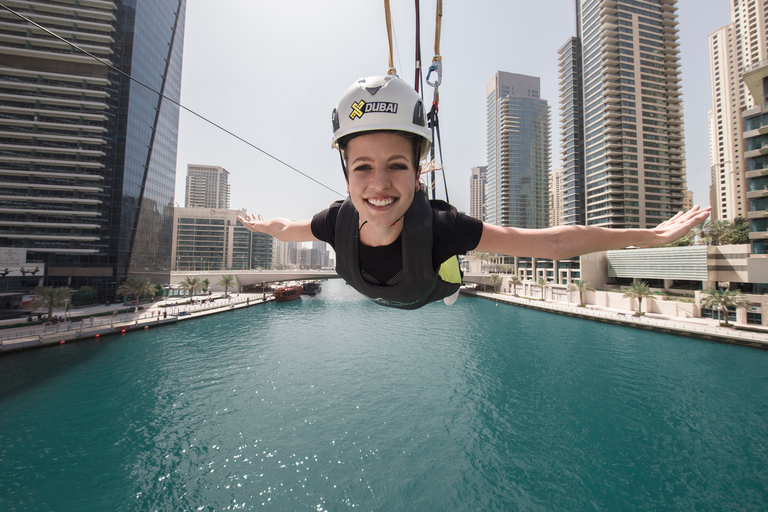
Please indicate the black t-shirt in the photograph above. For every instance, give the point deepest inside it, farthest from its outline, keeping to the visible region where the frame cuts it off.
(453, 233)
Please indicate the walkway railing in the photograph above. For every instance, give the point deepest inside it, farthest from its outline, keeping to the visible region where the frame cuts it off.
(94, 324)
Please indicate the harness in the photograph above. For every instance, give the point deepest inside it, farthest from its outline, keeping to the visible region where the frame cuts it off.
(420, 284)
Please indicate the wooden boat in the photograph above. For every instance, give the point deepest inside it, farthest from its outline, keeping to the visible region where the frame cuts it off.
(311, 287)
(286, 293)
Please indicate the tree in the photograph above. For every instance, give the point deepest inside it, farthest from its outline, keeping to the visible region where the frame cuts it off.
(190, 283)
(50, 297)
(736, 232)
(494, 280)
(724, 299)
(582, 286)
(638, 290)
(514, 281)
(226, 281)
(543, 284)
(84, 295)
(137, 286)
(205, 284)
(714, 230)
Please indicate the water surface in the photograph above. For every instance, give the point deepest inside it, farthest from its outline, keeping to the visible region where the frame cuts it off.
(335, 403)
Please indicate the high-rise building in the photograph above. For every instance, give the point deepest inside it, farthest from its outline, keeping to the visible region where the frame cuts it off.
(572, 133)
(87, 166)
(477, 192)
(756, 156)
(556, 182)
(207, 187)
(633, 117)
(516, 189)
(733, 48)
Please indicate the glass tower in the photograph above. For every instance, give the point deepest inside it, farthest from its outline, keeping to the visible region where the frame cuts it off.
(87, 171)
(517, 174)
(633, 117)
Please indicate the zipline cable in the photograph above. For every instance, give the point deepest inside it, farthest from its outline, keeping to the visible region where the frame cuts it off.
(109, 65)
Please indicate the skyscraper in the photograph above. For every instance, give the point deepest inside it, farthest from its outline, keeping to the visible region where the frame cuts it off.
(207, 187)
(572, 133)
(733, 48)
(87, 167)
(516, 190)
(477, 192)
(756, 157)
(633, 118)
(556, 181)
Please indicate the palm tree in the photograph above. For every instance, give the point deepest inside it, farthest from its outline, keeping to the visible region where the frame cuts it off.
(494, 280)
(514, 281)
(724, 299)
(638, 290)
(50, 297)
(714, 230)
(582, 286)
(137, 286)
(190, 283)
(543, 283)
(226, 281)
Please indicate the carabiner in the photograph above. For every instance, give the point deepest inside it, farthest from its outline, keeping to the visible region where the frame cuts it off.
(437, 67)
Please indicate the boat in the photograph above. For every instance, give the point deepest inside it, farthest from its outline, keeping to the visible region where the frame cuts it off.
(286, 293)
(311, 287)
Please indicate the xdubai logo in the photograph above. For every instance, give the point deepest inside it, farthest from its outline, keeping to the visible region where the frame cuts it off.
(361, 108)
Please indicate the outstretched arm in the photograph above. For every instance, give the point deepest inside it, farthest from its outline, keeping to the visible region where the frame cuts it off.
(282, 229)
(562, 242)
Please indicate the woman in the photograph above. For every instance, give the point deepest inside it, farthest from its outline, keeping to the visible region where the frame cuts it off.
(399, 248)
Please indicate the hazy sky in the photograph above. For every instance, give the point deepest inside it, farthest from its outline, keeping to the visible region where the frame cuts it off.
(272, 72)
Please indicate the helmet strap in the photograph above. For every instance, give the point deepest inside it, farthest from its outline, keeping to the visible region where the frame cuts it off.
(343, 165)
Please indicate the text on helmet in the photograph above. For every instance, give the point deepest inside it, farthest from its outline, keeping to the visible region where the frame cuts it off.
(361, 108)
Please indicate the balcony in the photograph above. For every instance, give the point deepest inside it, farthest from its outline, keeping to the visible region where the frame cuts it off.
(753, 78)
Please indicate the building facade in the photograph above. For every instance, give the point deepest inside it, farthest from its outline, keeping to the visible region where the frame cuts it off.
(210, 239)
(477, 192)
(572, 132)
(518, 128)
(755, 121)
(87, 167)
(633, 117)
(733, 48)
(556, 187)
(207, 187)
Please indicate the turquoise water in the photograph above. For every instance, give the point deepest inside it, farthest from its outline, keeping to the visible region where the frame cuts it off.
(333, 403)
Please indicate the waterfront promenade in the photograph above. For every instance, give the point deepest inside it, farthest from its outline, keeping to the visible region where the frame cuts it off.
(705, 328)
(86, 323)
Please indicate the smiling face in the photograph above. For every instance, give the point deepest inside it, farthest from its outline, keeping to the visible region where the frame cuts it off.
(381, 181)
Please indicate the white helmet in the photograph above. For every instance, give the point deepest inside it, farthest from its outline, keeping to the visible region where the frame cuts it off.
(381, 103)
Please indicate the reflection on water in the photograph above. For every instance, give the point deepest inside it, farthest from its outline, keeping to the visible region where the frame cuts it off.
(332, 402)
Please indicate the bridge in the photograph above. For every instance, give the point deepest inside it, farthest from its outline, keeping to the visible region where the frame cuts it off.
(252, 277)
(258, 277)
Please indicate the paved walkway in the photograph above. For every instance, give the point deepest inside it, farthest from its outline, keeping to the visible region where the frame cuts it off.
(154, 314)
(705, 328)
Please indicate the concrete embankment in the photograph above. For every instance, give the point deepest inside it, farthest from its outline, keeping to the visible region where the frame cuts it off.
(692, 327)
(19, 338)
